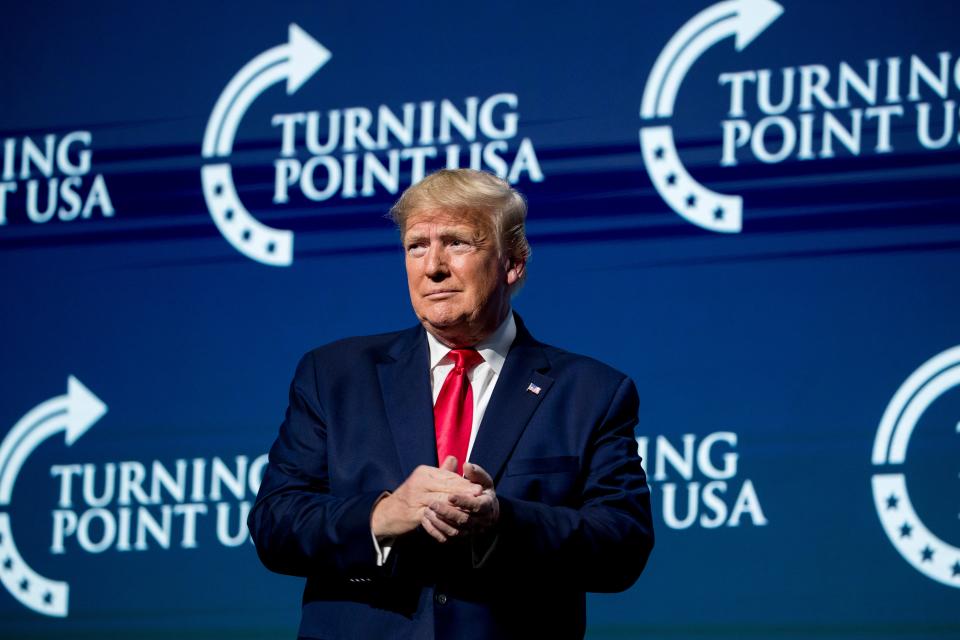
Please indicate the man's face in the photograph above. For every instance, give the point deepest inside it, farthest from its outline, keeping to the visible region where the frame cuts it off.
(459, 284)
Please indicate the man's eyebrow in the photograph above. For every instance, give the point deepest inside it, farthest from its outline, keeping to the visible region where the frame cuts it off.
(413, 236)
(444, 232)
(457, 232)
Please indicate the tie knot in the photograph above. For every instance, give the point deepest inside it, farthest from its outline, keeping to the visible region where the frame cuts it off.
(465, 359)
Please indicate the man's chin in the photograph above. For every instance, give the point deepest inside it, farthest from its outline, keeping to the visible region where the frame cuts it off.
(442, 324)
(452, 332)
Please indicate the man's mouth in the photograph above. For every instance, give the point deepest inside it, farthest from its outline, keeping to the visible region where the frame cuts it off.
(441, 294)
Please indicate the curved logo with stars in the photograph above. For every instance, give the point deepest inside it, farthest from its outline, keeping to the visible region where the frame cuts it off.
(73, 414)
(742, 19)
(294, 62)
(924, 550)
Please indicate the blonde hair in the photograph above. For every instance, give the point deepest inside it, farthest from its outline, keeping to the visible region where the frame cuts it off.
(479, 196)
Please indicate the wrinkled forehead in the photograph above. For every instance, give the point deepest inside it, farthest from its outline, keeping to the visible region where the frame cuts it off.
(476, 223)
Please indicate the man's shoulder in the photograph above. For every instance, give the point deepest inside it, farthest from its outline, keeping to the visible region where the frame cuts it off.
(363, 348)
(564, 361)
(561, 358)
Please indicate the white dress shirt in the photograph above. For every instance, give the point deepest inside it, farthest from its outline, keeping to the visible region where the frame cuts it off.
(483, 378)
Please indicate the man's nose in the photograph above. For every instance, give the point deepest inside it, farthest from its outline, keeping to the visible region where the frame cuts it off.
(436, 266)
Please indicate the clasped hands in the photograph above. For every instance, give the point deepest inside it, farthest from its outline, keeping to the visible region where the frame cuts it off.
(446, 504)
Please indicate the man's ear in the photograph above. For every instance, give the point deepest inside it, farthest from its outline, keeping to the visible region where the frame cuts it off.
(515, 271)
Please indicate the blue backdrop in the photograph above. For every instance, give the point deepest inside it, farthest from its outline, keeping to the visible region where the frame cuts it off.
(752, 208)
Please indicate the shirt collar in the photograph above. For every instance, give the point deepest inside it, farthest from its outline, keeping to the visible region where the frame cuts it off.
(493, 350)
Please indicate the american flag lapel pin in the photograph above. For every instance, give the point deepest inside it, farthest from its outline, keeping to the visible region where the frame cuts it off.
(534, 389)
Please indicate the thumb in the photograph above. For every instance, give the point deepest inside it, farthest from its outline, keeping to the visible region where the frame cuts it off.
(475, 473)
(449, 464)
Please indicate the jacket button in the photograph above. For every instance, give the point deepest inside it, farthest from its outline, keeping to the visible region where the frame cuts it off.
(441, 598)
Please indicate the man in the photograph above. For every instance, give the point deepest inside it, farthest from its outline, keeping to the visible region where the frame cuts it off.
(458, 479)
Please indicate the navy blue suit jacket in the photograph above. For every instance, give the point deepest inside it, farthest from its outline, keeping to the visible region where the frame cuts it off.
(575, 507)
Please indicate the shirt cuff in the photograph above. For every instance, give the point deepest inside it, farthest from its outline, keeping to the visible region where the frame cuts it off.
(384, 546)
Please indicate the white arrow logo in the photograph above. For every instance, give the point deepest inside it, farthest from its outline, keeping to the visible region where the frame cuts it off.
(743, 19)
(73, 414)
(294, 62)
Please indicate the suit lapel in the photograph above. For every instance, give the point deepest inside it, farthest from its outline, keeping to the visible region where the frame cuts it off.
(405, 384)
(513, 402)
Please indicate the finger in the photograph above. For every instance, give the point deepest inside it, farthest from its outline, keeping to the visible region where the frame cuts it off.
(435, 497)
(429, 527)
(448, 529)
(450, 514)
(476, 473)
(467, 502)
(449, 464)
(467, 488)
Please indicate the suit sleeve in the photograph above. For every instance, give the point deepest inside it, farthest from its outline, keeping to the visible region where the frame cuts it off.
(298, 527)
(602, 542)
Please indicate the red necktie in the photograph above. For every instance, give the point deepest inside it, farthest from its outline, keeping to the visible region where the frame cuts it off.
(453, 412)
